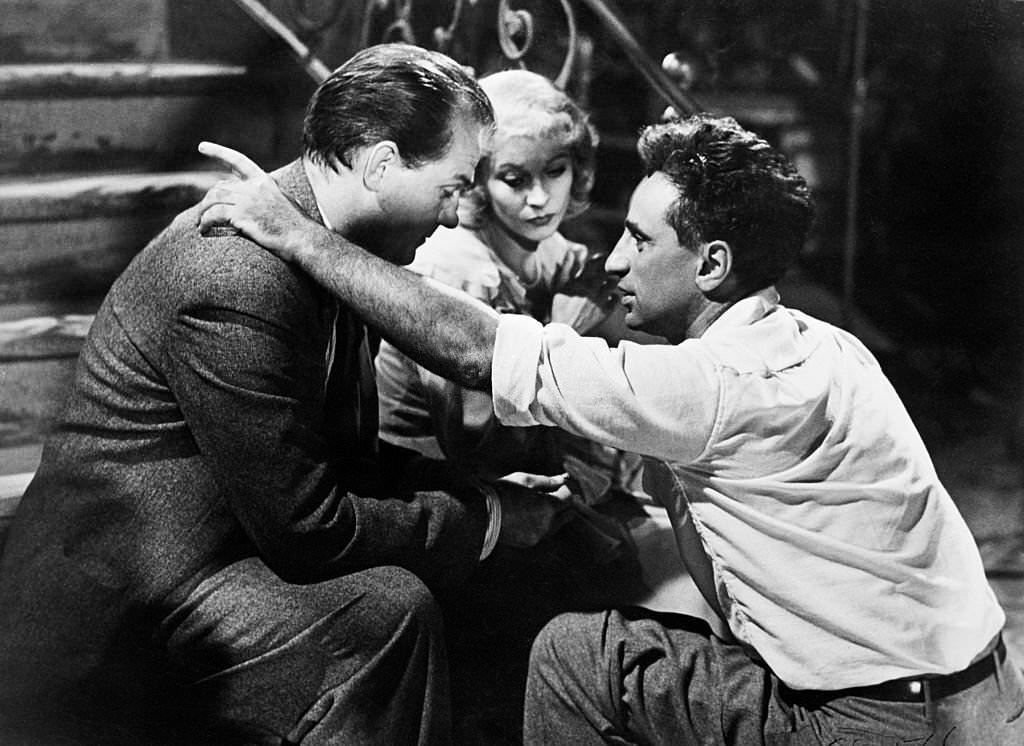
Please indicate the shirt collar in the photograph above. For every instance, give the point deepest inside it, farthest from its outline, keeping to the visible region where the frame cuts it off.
(745, 311)
(323, 217)
(316, 200)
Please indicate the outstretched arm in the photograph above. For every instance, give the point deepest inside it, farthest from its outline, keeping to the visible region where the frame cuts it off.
(441, 328)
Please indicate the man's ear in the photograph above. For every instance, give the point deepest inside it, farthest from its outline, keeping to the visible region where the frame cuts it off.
(714, 273)
(379, 158)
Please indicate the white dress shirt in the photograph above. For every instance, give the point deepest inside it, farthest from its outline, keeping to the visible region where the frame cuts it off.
(803, 499)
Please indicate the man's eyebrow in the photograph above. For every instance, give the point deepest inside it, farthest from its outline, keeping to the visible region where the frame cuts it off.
(461, 183)
(635, 229)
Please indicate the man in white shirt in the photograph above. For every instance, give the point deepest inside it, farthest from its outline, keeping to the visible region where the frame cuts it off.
(805, 505)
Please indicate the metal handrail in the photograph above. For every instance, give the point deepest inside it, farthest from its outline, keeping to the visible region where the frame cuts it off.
(610, 16)
(303, 54)
(605, 11)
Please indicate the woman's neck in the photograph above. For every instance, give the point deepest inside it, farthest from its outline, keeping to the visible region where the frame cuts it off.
(513, 250)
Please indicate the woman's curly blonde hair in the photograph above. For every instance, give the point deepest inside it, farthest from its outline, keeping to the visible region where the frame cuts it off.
(528, 103)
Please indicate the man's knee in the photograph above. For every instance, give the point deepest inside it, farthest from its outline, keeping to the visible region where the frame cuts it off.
(396, 602)
(567, 640)
(347, 637)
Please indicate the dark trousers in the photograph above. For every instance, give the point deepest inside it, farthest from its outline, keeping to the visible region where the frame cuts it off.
(633, 677)
(246, 658)
(354, 660)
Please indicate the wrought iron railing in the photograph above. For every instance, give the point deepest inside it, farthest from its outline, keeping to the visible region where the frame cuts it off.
(515, 29)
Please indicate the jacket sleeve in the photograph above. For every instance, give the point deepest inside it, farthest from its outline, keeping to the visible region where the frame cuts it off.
(247, 364)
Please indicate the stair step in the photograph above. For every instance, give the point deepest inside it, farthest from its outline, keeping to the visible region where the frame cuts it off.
(31, 397)
(43, 337)
(16, 461)
(66, 239)
(65, 197)
(17, 467)
(84, 29)
(96, 116)
(103, 79)
(37, 365)
(63, 240)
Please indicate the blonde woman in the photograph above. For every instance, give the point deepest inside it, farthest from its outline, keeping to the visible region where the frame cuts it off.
(537, 170)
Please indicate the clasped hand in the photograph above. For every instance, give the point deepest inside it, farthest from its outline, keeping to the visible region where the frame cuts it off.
(532, 507)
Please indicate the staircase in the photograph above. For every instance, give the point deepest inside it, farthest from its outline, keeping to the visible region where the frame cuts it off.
(100, 115)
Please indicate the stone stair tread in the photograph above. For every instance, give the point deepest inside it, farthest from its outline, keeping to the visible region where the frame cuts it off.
(17, 467)
(56, 306)
(129, 116)
(53, 327)
(66, 197)
(21, 459)
(43, 337)
(52, 80)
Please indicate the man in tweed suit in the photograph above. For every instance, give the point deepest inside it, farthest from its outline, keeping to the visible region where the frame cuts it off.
(213, 529)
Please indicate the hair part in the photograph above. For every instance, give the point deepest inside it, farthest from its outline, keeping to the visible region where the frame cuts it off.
(399, 92)
(527, 103)
(734, 187)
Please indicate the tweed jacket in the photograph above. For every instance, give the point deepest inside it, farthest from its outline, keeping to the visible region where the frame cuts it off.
(203, 427)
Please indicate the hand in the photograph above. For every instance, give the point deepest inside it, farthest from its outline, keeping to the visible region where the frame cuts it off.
(582, 313)
(588, 298)
(528, 516)
(591, 280)
(254, 205)
(556, 485)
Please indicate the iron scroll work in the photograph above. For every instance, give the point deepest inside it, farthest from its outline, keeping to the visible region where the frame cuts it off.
(516, 30)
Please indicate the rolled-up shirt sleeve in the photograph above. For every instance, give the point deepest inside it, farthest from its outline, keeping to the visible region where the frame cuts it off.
(657, 400)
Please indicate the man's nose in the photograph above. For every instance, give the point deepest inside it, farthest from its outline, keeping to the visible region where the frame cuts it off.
(449, 216)
(615, 263)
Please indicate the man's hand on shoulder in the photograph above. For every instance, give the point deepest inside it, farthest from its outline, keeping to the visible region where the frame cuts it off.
(253, 205)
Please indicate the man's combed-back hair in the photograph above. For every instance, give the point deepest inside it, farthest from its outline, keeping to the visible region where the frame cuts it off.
(735, 187)
(397, 92)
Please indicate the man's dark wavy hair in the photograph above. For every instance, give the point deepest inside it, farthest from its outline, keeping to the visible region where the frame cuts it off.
(735, 187)
(397, 92)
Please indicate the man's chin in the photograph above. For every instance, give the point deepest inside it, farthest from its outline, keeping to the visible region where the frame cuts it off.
(410, 253)
(400, 256)
(408, 256)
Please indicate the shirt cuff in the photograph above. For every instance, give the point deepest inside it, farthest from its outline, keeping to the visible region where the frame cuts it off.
(493, 520)
(518, 345)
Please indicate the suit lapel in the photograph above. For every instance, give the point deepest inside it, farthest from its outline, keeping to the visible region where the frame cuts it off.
(351, 390)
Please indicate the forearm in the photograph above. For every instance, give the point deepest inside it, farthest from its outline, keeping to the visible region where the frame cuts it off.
(442, 329)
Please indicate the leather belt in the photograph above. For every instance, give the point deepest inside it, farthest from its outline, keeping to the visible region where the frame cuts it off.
(919, 689)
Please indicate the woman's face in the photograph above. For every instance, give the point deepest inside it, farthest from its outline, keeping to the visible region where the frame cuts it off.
(528, 185)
